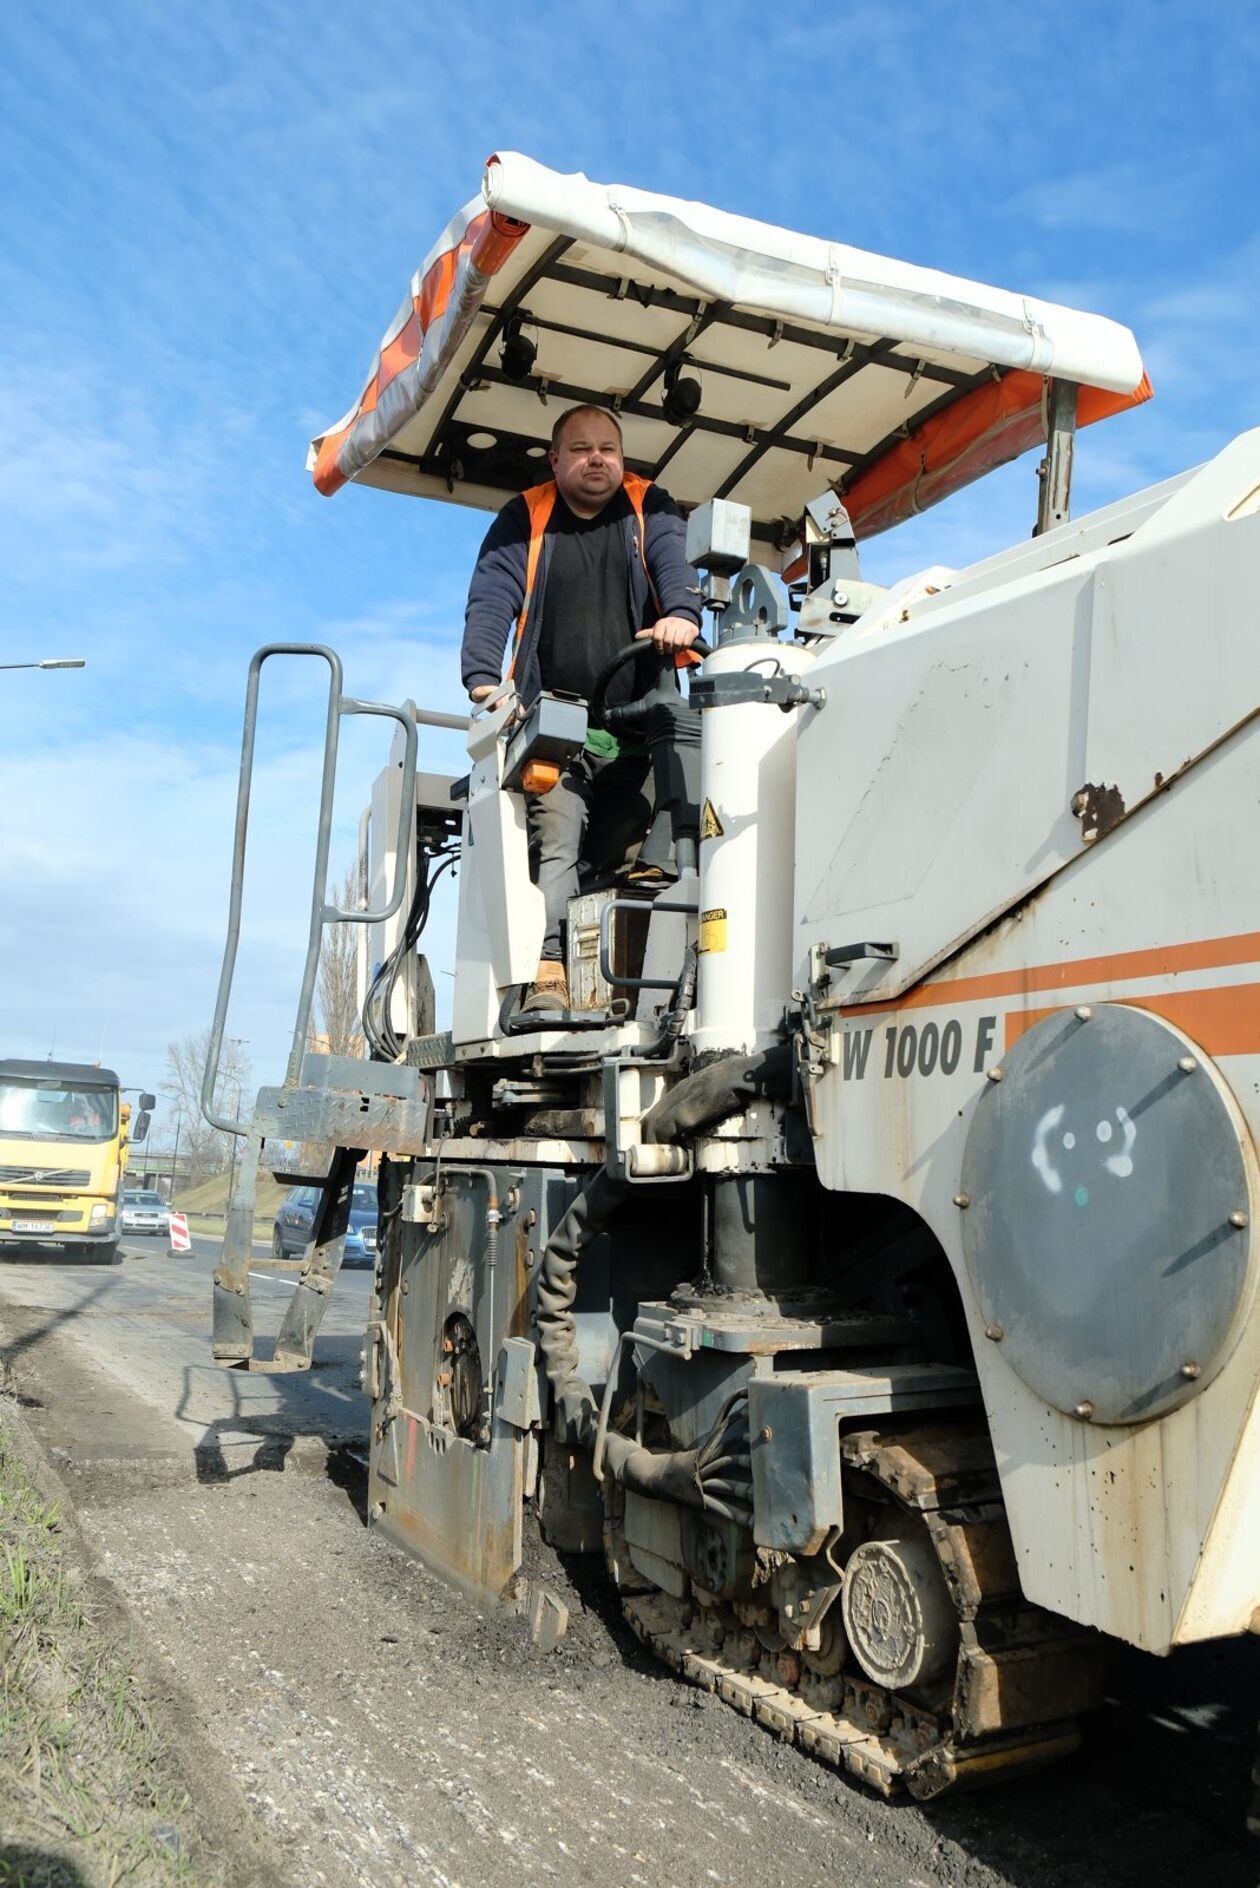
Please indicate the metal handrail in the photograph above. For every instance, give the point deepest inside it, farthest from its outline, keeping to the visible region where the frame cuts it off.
(321, 912)
(649, 905)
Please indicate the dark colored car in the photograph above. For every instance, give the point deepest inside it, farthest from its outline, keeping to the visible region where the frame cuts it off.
(296, 1219)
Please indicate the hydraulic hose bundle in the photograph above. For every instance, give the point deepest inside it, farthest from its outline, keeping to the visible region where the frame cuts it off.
(378, 1003)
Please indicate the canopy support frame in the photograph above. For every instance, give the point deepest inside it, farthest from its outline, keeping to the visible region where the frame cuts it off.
(767, 325)
(1054, 473)
(780, 433)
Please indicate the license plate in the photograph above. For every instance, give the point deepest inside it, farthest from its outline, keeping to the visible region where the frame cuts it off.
(33, 1225)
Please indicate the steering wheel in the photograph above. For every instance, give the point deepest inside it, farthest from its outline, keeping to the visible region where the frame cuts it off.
(598, 716)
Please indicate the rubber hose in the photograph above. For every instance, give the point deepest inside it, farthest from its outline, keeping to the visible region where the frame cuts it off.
(667, 1476)
(557, 1294)
(712, 1093)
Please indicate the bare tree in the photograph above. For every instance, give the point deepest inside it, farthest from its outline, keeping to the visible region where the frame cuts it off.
(336, 990)
(208, 1149)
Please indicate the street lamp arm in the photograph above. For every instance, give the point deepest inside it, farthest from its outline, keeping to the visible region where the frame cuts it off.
(49, 662)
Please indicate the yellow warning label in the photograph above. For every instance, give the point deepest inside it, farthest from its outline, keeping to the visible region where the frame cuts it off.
(711, 826)
(713, 930)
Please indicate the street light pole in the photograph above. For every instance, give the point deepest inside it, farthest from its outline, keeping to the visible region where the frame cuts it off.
(235, 1138)
(49, 662)
(173, 1094)
(240, 1042)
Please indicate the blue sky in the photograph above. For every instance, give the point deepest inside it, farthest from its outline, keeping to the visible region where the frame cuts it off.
(210, 216)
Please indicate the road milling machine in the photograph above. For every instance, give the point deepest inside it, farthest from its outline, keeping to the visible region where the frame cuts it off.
(864, 1262)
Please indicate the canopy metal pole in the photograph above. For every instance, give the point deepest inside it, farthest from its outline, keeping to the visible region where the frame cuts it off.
(1054, 501)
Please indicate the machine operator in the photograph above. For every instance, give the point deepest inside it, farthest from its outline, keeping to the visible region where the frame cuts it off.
(580, 565)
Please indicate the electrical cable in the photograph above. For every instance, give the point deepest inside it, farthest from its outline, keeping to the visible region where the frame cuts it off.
(378, 1003)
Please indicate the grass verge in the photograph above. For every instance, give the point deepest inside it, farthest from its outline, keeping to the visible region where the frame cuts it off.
(88, 1795)
(211, 1196)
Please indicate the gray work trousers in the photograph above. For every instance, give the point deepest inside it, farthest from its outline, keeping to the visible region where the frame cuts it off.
(592, 820)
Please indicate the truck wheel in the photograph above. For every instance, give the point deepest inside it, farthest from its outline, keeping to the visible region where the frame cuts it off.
(103, 1252)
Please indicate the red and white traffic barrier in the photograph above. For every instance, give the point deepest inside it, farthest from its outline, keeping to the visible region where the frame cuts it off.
(180, 1241)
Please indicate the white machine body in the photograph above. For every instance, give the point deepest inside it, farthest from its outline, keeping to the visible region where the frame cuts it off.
(1038, 785)
(748, 793)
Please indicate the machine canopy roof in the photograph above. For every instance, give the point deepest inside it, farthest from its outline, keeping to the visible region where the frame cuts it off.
(817, 364)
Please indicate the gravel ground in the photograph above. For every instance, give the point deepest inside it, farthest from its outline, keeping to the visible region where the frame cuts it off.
(387, 1732)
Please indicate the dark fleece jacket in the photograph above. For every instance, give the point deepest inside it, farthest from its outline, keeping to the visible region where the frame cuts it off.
(497, 590)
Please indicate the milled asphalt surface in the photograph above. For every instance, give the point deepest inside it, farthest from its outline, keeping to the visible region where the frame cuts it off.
(146, 1323)
(386, 1732)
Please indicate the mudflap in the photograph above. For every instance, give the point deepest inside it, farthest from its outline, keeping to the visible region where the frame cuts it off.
(455, 1505)
(456, 1417)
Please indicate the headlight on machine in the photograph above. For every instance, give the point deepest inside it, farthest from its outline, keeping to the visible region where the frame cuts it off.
(102, 1217)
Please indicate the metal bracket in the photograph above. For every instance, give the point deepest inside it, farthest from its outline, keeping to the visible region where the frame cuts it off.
(422, 1205)
(736, 687)
(610, 1386)
(795, 1416)
(518, 1383)
(841, 954)
(755, 609)
(1055, 471)
(825, 959)
(625, 1156)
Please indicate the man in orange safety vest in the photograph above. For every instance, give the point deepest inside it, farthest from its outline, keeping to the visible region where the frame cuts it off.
(573, 569)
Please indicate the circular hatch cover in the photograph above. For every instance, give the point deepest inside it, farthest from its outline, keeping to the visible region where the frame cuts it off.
(1107, 1232)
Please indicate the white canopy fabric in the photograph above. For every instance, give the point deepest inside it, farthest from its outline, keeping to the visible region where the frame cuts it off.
(818, 364)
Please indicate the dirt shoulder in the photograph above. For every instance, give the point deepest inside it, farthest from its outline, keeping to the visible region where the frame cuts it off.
(96, 1777)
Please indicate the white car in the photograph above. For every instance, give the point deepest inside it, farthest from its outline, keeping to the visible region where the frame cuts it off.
(144, 1212)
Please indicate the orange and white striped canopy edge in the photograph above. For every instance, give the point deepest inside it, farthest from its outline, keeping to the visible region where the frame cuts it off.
(986, 428)
(445, 296)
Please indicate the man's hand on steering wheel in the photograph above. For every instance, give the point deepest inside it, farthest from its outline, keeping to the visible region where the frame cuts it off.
(628, 713)
(670, 632)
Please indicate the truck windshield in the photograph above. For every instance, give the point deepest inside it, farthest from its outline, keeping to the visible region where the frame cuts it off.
(31, 1111)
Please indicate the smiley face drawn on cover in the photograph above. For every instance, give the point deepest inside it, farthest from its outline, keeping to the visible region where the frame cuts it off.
(1050, 1146)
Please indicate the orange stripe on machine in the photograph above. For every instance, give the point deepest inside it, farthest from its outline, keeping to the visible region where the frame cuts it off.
(1158, 961)
(1224, 1021)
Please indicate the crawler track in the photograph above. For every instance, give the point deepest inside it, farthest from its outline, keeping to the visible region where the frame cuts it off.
(1021, 1678)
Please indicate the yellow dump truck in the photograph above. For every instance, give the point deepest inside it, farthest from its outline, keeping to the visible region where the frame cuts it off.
(64, 1134)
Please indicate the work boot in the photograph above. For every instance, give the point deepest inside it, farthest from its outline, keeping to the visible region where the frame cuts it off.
(550, 988)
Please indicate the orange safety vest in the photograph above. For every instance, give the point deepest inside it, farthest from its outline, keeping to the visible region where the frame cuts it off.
(540, 502)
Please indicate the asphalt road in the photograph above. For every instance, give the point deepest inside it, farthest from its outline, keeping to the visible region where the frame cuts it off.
(146, 1321)
(385, 1732)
